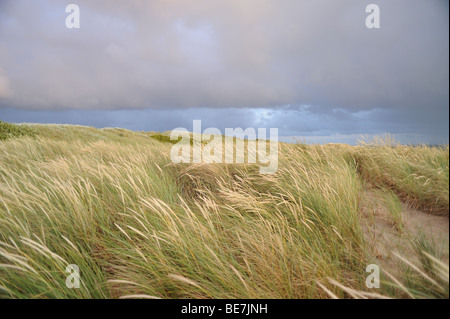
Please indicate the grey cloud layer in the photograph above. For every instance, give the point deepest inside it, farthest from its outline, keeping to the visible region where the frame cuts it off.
(335, 126)
(179, 54)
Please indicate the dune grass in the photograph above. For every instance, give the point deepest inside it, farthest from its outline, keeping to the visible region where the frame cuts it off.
(112, 202)
(417, 174)
(9, 130)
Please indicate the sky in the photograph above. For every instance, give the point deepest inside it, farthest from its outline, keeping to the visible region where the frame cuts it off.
(310, 68)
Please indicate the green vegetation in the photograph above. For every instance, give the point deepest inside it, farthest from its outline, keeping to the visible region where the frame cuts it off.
(394, 206)
(137, 225)
(164, 138)
(8, 130)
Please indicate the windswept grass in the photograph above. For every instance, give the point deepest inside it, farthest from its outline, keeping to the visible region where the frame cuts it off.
(394, 207)
(8, 130)
(417, 174)
(137, 225)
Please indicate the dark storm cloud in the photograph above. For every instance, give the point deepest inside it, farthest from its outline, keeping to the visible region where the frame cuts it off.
(337, 126)
(211, 55)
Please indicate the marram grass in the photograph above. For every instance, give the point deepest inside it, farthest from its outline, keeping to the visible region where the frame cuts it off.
(138, 226)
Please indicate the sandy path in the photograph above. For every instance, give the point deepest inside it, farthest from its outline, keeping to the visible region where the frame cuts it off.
(384, 239)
